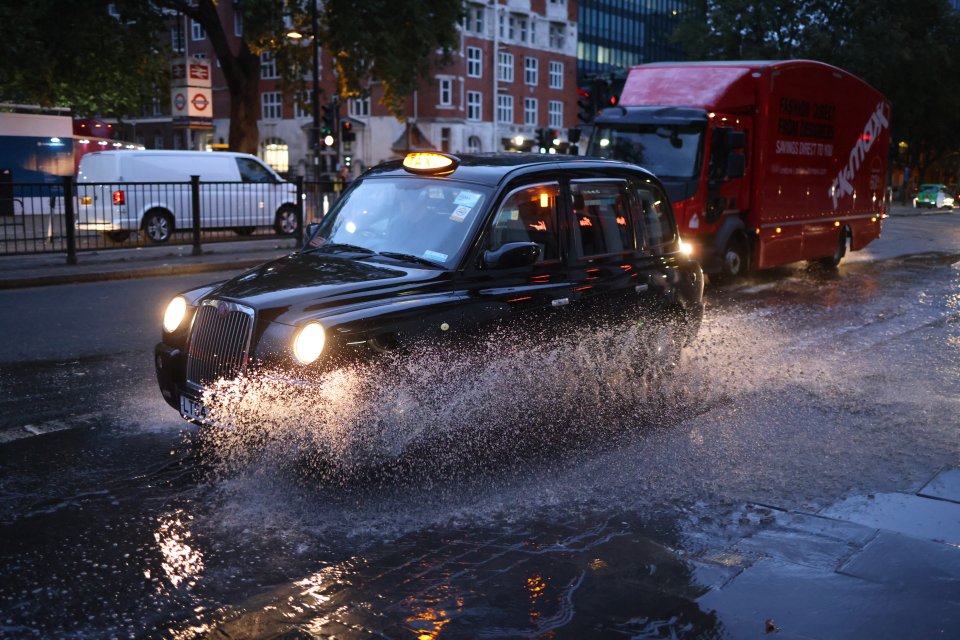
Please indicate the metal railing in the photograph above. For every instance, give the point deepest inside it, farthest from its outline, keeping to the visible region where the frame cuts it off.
(69, 217)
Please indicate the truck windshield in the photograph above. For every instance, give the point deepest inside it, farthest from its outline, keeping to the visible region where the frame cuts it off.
(669, 151)
(420, 220)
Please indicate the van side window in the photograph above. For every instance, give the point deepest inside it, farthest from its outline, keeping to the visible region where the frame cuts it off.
(528, 215)
(601, 218)
(251, 171)
(657, 224)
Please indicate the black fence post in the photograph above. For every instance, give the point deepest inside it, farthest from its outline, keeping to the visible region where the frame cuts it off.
(195, 206)
(69, 219)
(302, 218)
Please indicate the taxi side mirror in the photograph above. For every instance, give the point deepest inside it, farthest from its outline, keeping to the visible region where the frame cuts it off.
(308, 233)
(512, 255)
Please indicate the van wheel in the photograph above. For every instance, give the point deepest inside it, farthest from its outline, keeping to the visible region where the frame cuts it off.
(116, 236)
(243, 231)
(287, 222)
(157, 225)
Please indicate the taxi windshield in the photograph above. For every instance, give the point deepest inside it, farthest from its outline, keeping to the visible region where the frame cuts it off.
(419, 220)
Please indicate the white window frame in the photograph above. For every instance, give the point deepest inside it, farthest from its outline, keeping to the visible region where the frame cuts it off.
(474, 62)
(556, 74)
(196, 31)
(478, 20)
(303, 108)
(359, 107)
(445, 94)
(531, 71)
(530, 112)
(474, 106)
(177, 40)
(268, 66)
(504, 108)
(557, 35)
(555, 114)
(504, 66)
(523, 25)
(271, 102)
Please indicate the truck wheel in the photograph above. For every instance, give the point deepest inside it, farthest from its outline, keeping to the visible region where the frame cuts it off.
(287, 222)
(158, 225)
(734, 259)
(833, 261)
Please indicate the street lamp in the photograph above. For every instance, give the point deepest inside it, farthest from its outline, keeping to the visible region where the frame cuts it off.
(315, 92)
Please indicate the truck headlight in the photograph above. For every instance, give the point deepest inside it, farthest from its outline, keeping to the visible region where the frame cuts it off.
(173, 316)
(308, 344)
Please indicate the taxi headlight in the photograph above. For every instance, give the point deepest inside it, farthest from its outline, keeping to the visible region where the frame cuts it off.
(686, 248)
(308, 344)
(173, 316)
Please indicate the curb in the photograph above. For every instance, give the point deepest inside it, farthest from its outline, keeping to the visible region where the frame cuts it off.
(127, 274)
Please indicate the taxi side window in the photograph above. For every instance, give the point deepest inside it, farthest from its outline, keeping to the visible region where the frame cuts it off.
(657, 224)
(601, 218)
(528, 215)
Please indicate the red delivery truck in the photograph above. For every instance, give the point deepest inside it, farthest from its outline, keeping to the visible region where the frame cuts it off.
(766, 163)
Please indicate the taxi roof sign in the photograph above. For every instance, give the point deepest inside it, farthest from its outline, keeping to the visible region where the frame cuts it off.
(430, 162)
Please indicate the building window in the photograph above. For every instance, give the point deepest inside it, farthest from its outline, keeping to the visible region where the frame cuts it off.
(474, 145)
(505, 109)
(303, 106)
(556, 75)
(474, 108)
(268, 66)
(533, 31)
(522, 29)
(505, 67)
(446, 92)
(176, 40)
(555, 114)
(531, 69)
(530, 112)
(557, 30)
(512, 27)
(501, 25)
(474, 62)
(359, 107)
(478, 20)
(445, 139)
(271, 105)
(276, 154)
(237, 21)
(158, 141)
(196, 31)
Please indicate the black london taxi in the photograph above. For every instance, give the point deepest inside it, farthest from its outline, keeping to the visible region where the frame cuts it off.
(438, 246)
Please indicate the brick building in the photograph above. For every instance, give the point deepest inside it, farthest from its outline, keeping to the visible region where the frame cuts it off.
(513, 73)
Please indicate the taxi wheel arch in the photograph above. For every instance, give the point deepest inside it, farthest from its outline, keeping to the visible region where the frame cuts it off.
(157, 225)
(287, 220)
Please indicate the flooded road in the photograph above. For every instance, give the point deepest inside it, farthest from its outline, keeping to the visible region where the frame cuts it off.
(536, 491)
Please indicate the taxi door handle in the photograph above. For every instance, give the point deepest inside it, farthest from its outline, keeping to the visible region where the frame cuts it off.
(560, 302)
(640, 288)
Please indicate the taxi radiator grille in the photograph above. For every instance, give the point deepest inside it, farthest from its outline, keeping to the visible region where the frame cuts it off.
(218, 342)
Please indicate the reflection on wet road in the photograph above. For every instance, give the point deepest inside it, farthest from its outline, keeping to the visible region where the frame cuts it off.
(764, 487)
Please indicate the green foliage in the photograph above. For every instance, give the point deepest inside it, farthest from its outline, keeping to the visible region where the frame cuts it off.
(907, 49)
(76, 54)
(392, 41)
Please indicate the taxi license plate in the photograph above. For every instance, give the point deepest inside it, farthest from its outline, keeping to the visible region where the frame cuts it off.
(192, 409)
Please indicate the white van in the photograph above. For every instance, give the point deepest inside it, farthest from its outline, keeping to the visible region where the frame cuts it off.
(121, 192)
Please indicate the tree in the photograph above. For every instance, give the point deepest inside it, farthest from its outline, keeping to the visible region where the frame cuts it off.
(110, 58)
(96, 57)
(904, 48)
(392, 41)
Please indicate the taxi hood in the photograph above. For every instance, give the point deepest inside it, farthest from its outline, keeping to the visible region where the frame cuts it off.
(288, 288)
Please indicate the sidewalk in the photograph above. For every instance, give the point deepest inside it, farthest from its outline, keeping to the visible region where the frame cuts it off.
(139, 262)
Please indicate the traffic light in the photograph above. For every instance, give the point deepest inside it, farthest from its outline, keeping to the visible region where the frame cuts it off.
(326, 125)
(543, 140)
(585, 106)
(347, 134)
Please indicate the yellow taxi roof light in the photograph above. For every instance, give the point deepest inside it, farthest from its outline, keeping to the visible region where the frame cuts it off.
(429, 162)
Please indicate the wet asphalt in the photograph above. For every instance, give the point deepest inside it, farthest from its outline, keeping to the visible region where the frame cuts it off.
(797, 476)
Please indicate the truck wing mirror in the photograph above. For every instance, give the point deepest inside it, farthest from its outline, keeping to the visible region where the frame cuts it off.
(511, 255)
(736, 140)
(736, 165)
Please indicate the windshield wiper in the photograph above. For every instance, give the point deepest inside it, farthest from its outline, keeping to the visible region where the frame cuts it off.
(342, 247)
(409, 257)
